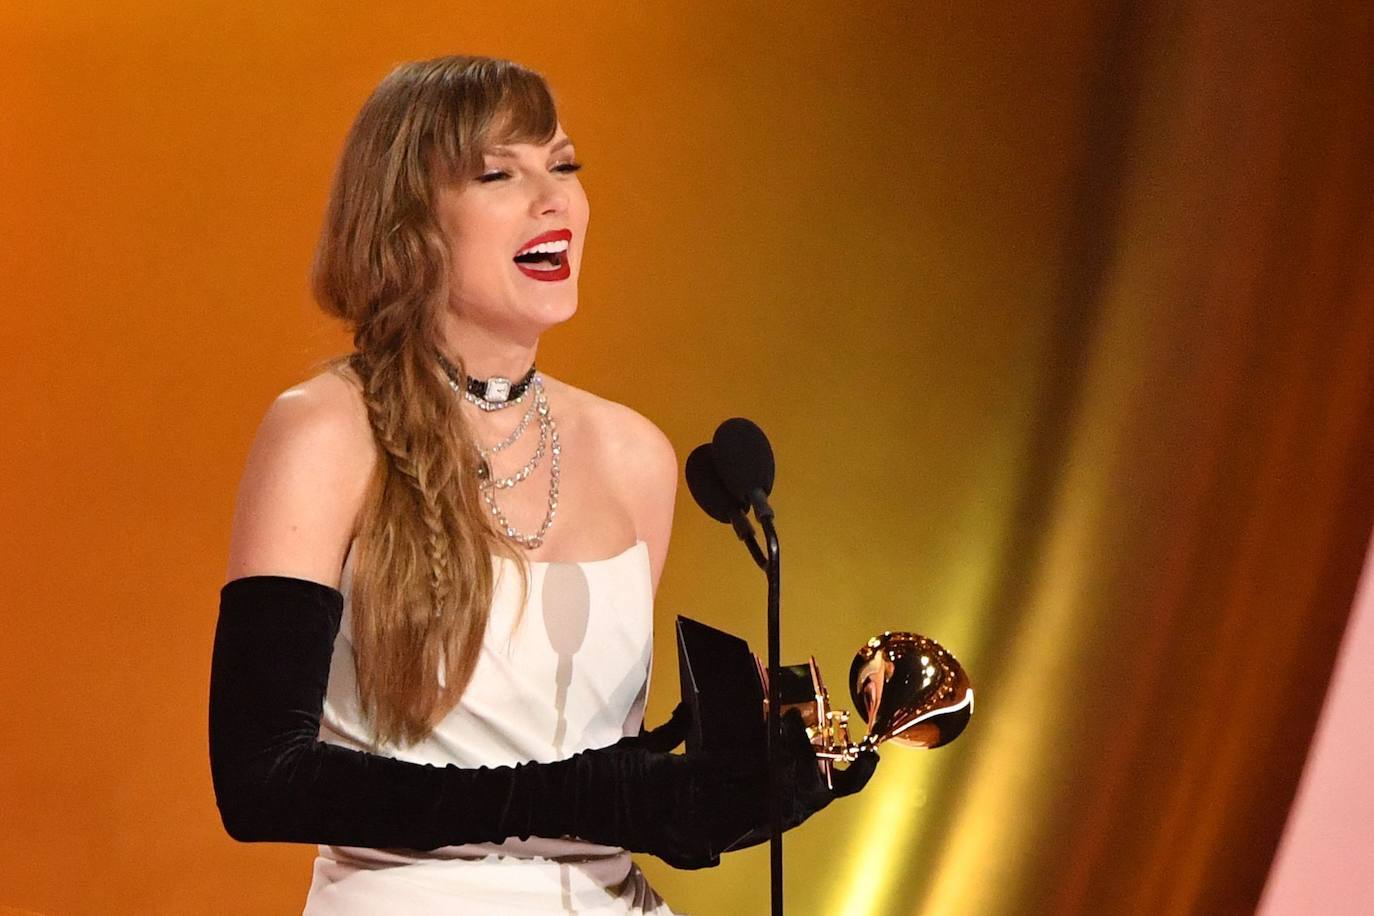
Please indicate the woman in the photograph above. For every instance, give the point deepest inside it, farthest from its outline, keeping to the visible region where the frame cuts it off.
(435, 642)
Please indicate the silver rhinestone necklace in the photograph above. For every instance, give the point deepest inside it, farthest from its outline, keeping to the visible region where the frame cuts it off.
(515, 434)
(548, 441)
(505, 483)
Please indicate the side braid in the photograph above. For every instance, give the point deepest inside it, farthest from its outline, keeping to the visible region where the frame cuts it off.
(439, 547)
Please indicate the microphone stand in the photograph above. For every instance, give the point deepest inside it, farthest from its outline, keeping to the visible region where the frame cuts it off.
(764, 512)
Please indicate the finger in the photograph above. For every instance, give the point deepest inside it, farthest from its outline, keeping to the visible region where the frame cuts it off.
(794, 738)
(671, 733)
(800, 763)
(856, 775)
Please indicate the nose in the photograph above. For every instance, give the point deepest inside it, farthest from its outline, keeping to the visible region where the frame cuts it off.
(551, 196)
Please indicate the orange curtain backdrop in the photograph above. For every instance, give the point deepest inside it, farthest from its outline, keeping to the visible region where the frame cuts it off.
(1060, 322)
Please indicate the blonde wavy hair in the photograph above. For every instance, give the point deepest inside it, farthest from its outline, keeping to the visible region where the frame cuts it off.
(422, 575)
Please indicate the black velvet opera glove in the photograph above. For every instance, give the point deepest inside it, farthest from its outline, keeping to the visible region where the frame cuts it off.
(274, 780)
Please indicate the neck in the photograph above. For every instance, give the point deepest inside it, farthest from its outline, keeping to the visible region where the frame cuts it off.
(483, 352)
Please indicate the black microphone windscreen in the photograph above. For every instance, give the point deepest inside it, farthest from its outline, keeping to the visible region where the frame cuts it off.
(707, 488)
(743, 457)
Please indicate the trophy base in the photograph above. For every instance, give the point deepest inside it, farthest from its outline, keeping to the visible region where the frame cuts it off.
(721, 684)
(725, 686)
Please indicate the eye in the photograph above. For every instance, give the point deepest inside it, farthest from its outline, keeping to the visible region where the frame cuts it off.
(567, 168)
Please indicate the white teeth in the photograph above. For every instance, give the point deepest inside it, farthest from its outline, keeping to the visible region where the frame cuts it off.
(545, 248)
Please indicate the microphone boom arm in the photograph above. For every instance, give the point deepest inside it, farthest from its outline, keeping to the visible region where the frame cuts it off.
(744, 530)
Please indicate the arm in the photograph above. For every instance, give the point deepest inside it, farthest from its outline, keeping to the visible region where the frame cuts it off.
(273, 778)
(297, 504)
(646, 464)
(642, 459)
(303, 484)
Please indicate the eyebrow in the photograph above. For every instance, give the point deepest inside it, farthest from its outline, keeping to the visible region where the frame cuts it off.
(505, 152)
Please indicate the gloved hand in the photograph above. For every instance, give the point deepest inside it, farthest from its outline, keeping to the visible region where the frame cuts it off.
(685, 809)
(740, 805)
(803, 789)
(665, 737)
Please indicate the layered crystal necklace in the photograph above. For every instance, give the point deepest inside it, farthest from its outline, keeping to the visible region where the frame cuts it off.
(499, 393)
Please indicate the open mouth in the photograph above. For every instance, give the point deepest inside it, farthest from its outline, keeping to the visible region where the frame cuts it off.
(545, 257)
(543, 260)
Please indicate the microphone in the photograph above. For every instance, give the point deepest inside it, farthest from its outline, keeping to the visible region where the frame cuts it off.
(711, 494)
(744, 461)
(707, 488)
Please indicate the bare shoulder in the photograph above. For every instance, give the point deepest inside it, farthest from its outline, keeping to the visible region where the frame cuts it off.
(638, 457)
(627, 440)
(304, 482)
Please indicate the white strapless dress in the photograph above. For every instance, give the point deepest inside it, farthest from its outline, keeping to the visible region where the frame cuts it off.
(571, 675)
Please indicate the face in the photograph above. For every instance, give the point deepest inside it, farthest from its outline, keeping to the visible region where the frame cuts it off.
(525, 194)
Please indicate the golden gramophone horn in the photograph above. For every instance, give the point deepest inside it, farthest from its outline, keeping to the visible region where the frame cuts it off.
(906, 687)
(909, 689)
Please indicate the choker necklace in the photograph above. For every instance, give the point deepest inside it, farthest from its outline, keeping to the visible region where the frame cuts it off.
(489, 394)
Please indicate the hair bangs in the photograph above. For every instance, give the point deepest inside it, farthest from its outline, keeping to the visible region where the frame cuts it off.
(496, 103)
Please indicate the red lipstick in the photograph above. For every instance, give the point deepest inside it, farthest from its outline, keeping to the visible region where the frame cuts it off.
(560, 272)
(553, 235)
